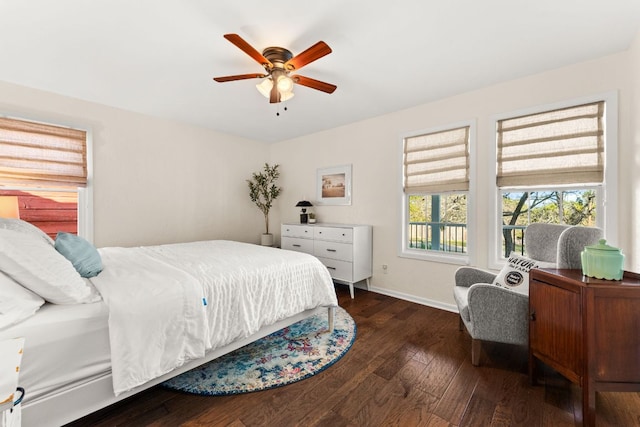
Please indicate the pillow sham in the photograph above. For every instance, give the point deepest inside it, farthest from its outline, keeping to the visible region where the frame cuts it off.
(16, 302)
(37, 266)
(515, 274)
(24, 227)
(83, 255)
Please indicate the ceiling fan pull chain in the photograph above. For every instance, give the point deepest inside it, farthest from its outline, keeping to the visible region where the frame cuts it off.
(278, 112)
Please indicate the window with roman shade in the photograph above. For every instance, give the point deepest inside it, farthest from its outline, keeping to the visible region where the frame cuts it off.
(437, 162)
(560, 147)
(436, 166)
(45, 166)
(42, 155)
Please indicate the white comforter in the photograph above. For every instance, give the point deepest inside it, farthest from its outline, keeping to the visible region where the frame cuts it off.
(169, 304)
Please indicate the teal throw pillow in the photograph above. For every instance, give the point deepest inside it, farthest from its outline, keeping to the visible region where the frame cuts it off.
(82, 254)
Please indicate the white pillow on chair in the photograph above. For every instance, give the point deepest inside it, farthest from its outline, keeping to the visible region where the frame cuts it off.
(515, 274)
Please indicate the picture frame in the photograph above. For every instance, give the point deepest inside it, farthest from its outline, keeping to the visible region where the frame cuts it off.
(333, 185)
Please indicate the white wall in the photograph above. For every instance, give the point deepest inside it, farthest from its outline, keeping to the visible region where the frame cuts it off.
(372, 146)
(155, 181)
(633, 153)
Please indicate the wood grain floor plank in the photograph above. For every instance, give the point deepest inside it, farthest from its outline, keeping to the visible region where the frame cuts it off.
(456, 397)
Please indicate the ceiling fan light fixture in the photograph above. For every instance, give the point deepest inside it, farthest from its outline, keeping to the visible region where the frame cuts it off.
(285, 84)
(285, 96)
(264, 87)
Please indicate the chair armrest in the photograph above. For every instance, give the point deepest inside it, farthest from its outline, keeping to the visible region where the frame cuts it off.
(498, 314)
(467, 276)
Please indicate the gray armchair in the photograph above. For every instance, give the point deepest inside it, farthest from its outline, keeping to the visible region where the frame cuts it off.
(492, 313)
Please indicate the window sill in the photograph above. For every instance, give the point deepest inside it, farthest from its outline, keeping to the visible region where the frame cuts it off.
(423, 255)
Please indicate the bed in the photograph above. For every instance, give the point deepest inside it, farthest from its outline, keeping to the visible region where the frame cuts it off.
(150, 314)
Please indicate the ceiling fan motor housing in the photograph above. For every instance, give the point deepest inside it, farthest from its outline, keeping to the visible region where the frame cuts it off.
(278, 56)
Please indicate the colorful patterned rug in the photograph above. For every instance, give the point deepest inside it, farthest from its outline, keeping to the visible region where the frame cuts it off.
(291, 354)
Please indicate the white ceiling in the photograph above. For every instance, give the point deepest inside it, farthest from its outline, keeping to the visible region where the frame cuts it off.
(159, 56)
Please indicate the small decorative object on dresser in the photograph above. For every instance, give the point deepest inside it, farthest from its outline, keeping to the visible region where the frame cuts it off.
(345, 249)
(304, 216)
(263, 191)
(602, 261)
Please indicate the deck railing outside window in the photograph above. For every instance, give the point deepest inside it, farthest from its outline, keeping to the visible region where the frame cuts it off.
(450, 237)
(438, 236)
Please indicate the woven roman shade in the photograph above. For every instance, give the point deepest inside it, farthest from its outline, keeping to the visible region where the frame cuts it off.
(437, 162)
(564, 146)
(36, 154)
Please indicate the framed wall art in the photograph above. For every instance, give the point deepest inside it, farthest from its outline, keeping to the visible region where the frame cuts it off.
(334, 185)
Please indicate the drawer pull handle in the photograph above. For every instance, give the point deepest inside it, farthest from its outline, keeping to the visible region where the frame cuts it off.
(296, 246)
(330, 268)
(331, 250)
(532, 316)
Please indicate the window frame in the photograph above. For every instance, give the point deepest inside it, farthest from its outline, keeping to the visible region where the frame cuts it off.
(428, 255)
(85, 194)
(608, 192)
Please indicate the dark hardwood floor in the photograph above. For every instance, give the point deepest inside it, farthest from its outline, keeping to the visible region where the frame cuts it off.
(409, 366)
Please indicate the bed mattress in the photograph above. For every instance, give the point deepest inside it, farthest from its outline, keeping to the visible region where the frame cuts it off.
(65, 346)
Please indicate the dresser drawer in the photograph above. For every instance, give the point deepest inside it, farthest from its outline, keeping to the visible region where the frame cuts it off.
(289, 230)
(334, 234)
(297, 244)
(333, 250)
(340, 270)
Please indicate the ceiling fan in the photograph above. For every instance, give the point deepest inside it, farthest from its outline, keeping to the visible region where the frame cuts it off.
(279, 63)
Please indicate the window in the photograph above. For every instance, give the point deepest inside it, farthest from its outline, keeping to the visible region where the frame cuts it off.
(556, 206)
(46, 167)
(551, 166)
(435, 196)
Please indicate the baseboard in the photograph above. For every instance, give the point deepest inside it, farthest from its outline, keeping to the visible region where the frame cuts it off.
(412, 298)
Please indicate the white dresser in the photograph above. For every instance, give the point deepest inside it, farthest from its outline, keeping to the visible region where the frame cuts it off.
(345, 249)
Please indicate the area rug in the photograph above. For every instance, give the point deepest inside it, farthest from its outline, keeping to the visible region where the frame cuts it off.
(291, 354)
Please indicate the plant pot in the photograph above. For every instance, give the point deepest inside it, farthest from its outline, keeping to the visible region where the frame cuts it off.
(266, 240)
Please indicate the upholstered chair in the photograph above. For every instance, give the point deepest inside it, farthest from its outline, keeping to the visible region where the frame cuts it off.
(493, 313)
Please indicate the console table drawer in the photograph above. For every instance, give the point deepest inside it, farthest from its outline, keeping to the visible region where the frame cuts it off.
(333, 250)
(297, 244)
(334, 234)
(341, 270)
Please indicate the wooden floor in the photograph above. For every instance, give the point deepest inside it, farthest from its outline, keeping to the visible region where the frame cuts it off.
(409, 366)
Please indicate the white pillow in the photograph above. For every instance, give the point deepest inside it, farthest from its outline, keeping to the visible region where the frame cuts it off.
(16, 302)
(37, 266)
(24, 227)
(515, 274)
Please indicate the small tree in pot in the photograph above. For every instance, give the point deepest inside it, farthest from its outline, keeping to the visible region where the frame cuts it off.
(263, 191)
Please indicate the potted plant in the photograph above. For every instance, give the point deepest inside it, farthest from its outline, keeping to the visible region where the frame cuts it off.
(263, 191)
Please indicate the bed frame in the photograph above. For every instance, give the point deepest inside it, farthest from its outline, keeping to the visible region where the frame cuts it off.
(69, 405)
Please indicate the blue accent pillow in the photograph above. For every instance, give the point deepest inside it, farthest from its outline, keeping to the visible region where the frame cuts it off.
(82, 254)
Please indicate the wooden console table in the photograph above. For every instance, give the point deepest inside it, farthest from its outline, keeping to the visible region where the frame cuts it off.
(586, 329)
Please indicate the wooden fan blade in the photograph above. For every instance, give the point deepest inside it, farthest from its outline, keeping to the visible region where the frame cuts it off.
(248, 49)
(238, 77)
(314, 84)
(315, 52)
